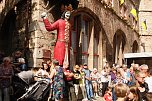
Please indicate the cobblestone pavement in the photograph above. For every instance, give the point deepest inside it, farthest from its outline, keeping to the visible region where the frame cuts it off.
(99, 99)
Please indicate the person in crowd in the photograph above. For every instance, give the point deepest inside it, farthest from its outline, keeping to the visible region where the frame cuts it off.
(57, 78)
(132, 80)
(62, 26)
(88, 82)
(148, 80)
(104, 78)
(142, 85)
(144, 68)
(148, 96)
(76, 79)
(69, 88)
(95, 76)
(121, 91)
(6, 73)
(133, 94)
(113, 73)
(108, 94)
(19, 61)
(119, 78)
(82, 84)
(126, 74)
(44, 71)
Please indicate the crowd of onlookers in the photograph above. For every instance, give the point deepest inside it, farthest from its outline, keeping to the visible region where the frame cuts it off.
(113, 83)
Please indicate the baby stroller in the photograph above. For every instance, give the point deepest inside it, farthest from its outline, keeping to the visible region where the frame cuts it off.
(21, 82)
(33, 91)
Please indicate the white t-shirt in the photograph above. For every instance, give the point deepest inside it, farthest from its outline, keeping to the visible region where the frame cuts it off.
(148, 80)
(104, 76)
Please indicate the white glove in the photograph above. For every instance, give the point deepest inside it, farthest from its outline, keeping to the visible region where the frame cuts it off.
(44, 15)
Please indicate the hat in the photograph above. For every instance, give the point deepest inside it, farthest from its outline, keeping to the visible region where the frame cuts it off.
(85, 64)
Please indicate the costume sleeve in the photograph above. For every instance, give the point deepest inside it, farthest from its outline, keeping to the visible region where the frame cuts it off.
(49, 26)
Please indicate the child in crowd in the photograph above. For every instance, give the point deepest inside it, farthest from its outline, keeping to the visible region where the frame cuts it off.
(149, 96)
(121, 91)
(133, 94)
(108, 94)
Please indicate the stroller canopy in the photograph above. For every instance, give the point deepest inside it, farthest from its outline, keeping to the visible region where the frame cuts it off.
(26, 76)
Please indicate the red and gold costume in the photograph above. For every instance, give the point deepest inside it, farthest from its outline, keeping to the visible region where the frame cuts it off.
(62, 26)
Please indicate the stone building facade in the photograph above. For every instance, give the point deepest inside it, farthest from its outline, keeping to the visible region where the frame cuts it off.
(145, 13)
(102, 30)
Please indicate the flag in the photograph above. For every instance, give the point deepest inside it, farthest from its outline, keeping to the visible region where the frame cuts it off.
(122, 1)
(144, 26)
(134, 13)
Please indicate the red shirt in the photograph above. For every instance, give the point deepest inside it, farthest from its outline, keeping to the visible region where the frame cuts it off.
(67, 78)
(107, 97)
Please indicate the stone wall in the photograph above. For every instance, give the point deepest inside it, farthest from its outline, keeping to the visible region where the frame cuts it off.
(145, 14)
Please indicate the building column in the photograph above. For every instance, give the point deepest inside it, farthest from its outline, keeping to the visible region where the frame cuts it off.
(90, 47)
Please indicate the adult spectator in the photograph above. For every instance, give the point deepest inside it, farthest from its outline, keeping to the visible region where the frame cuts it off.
(88, 82)
(148, 80)
(58, 81)
(82, 83)
(142, 85)
(104, 79)
(69, 86)
(6, 73)
(76, 78)
(144, 68)
(44, 71)
(132, 80)
(19, 61)
(95, 76)
(113, 73)
(125, 74)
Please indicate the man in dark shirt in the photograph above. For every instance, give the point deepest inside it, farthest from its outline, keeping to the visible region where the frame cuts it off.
(69, 88)
(76, 79)
(142, 85)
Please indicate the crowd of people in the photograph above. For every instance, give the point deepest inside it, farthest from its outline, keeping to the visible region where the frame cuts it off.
(113, 83)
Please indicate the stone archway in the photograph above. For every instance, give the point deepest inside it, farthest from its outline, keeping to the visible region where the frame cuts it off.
(87, 38)
(7, 33)
(135, 47)
(119, 42)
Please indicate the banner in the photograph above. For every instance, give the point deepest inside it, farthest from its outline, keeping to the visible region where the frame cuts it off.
(144, 26)
(134, 13)
(122, 1)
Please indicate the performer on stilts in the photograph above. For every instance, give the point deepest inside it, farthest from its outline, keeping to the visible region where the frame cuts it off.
(62, 46)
